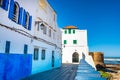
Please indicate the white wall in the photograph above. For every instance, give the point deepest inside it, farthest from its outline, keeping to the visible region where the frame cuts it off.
(80, 36)
(18, 40)
(81, 46)
(70, 48)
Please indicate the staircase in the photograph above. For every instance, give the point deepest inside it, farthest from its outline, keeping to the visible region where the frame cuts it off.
(87, 72)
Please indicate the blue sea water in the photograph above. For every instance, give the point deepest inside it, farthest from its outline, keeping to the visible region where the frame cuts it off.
(112, 60)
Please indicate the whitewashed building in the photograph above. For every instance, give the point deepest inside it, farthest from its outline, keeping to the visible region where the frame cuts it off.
(74, 45)
(29, 27)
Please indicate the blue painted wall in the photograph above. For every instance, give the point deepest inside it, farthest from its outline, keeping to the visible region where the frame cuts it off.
(15, 66)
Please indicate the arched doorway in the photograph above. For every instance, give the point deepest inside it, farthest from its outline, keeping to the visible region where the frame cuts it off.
(75, 57)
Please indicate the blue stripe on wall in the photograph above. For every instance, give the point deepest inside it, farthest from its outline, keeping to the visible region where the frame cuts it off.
(15, 66)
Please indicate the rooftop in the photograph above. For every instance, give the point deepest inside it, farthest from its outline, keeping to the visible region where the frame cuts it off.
(70, 27)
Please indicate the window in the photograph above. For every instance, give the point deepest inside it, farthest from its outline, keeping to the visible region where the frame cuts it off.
(4, 4)
(74, 41)
(69, 31)
(25, 49)
(54, 17)
(27, 20)
(38, 27)
(65, 41)
(65, 31)
(43, 55)
(19, 15)
(73, 31)
(36, 53)
(45, 30)
(49, 32)
(14, 11)
(53, 35)
(1, 2)
(7, 47)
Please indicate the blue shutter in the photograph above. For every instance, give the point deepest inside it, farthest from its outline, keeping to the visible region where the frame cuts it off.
(20, 16)
(7, 47)
(25, 49)
(5, 4)
(11, 9)
(30, 23)
(24, 19)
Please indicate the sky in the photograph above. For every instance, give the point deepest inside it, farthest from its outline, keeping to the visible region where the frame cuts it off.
(101, 19)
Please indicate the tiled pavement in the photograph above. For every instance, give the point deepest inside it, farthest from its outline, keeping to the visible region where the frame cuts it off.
(66, 72)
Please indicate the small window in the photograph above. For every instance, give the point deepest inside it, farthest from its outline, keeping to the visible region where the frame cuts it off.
(65, 31)
(69, 31)
(7, 47)
(43, 55)
(36, 53)
(49, 32)
(25, 49)
(27, 20)
(38, 27)
(54, 17)
(1, 2)
(45, 30)
(74, 41)
(53, 35)
(16, 12)
(53, 59)
(65, 41)
(73, 31)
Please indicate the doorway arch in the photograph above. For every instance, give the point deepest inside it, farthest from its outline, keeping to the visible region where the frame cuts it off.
(75, 57)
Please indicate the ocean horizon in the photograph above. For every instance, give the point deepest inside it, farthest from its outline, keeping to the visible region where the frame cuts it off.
(112, 60)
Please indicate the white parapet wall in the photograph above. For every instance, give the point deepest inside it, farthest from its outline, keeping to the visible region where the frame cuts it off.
(90, 61)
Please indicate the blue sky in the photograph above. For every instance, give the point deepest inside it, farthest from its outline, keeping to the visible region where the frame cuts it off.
(101, 18)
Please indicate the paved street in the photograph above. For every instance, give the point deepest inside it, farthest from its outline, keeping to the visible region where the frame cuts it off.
(66, 72)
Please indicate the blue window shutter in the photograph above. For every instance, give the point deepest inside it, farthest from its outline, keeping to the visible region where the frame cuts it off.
(25, 48)
(7, 47)
(24, 19)
(11, 9)
(5, 4)
(30, 23)
(20, 15)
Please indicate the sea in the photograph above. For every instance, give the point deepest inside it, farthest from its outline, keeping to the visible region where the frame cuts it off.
(112, 60)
